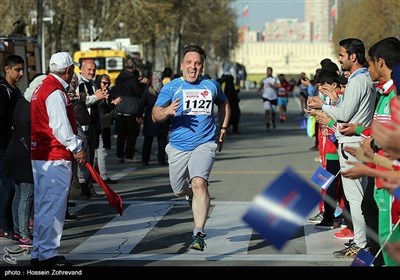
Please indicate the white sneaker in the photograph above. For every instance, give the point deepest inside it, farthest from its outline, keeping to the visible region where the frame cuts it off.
(318, 159)
(317, 218)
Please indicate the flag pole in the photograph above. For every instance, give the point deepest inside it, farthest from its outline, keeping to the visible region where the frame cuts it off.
(387, 239)
(337, 173)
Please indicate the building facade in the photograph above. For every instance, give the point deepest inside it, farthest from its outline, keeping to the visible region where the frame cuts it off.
(291, 46)
(284, 57)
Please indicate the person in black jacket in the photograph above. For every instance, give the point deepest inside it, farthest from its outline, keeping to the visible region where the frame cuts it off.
(232, 93)
(95, 99)
(151, 129)
(103, 82)
(129, 87)
(9, 94)
(18, 165)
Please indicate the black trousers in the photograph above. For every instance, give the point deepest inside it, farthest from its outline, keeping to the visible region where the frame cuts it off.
(162, 142)
(128, 132)
(333, 166)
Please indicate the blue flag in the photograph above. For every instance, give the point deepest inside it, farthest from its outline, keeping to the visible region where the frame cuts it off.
(282, 207)
(322, 178)
(363, 258)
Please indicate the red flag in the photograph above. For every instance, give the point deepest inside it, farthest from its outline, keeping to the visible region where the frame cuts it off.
(114, 199)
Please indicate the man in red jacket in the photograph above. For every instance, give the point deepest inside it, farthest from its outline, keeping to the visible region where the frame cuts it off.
(54, 144)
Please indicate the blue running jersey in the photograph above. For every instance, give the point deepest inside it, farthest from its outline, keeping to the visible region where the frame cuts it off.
(194, 123)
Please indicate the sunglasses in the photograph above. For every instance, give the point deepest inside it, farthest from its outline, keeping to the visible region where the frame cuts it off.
(105, 83)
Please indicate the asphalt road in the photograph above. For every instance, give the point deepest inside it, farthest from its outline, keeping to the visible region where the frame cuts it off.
(156, 227)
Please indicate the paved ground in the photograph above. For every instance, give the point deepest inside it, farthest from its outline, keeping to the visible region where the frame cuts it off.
(155, 229)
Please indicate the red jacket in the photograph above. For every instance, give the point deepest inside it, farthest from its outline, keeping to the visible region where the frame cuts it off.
(44, 145)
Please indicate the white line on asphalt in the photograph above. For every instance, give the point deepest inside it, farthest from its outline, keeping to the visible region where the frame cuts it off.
(123, 173)
(226, 232)
(123, 233)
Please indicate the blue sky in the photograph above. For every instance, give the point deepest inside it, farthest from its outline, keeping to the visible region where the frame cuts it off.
(261, 11)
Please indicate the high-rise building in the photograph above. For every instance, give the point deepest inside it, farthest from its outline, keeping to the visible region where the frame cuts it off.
(322, 15)
(289, 45)
(287, 30)
(320, 19)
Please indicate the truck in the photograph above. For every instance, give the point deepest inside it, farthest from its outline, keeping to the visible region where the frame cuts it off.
(109, 56)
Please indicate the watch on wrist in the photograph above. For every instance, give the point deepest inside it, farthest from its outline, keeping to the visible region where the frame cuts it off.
(373, 146)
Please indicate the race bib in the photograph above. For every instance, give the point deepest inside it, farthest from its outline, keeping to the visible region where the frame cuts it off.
(197, 102)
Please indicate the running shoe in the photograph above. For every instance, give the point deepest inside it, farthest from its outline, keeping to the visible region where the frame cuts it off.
(4, 233)
(317, 218)
(349, 243)
(25, 242)
(15, 237)
(345, 233)
(324, 225)
(198, 242)
(349, 252)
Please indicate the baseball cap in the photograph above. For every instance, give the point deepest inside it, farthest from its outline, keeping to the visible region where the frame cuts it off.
(60, 61)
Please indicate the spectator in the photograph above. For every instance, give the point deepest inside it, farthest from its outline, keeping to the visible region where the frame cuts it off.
(130, 89)
(54, 144)
(9, 95)
(151, 129)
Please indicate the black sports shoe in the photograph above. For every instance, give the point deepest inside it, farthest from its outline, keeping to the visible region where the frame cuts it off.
(324, 225)
(349, 252)
(111, 181)
(317, 218)
(349, 243)
(198, 242)
(70, 217)
(57, 261)
(94, 194)
(71, 204)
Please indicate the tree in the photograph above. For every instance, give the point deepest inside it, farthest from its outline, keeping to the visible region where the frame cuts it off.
(163, 27)
(372, 21)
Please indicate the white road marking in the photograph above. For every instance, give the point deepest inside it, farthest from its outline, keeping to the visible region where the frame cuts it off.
(123, 233)
(228, 237)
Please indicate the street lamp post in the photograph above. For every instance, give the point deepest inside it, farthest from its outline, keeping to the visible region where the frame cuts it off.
(39, 17)
(91, 32)
(121, 29)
